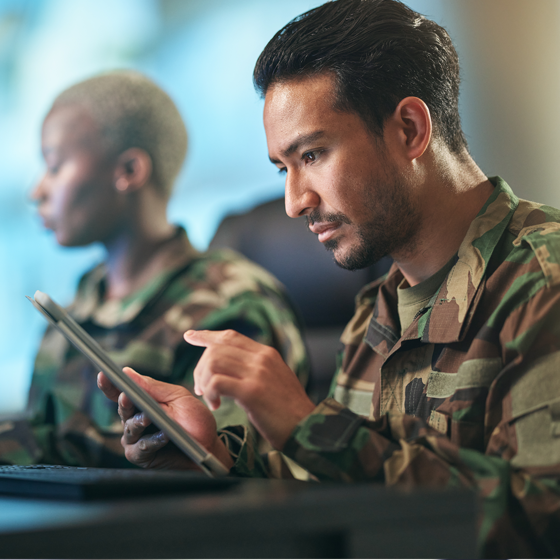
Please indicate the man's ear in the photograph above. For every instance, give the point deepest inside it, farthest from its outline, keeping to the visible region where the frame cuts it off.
(413, 125)
(133, 170)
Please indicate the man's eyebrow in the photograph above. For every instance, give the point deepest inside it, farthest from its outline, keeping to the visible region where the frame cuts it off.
(302, 140)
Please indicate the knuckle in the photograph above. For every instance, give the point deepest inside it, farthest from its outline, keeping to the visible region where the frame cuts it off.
(211, 361)
(129, 454)
(228, 335)
(265, 359)
(213, 386)
(270, 353)
(197, 373)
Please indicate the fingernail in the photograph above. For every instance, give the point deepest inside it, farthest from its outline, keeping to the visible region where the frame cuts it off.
(190, 332)
(139, 417)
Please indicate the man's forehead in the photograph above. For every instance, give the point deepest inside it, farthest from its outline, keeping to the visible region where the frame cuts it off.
(289, 94)
(297, 107)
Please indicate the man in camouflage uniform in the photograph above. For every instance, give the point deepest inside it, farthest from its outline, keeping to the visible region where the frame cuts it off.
(72, 423)
(450, 372)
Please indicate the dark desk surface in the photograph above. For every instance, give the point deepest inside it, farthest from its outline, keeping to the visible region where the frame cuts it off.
(256, 519)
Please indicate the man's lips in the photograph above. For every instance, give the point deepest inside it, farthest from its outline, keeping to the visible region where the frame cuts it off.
(324, 231)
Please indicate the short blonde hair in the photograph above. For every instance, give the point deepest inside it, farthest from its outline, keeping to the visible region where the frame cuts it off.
(133, 112)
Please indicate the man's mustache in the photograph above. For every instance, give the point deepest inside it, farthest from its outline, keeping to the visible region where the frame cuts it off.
(316, 217)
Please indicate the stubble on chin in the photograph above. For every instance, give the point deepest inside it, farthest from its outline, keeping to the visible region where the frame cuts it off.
(391, 231)
(356, 258)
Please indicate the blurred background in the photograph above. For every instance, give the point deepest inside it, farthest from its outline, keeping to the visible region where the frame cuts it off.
(202, 52)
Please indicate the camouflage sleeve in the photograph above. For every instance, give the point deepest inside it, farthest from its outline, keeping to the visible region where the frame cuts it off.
(249, 463)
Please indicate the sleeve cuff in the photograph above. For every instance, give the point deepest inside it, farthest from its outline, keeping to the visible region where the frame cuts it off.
(243, 450)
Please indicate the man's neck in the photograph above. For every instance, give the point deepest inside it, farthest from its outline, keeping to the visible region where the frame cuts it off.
(449, 205)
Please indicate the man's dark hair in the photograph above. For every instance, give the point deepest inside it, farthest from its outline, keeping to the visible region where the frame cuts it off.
(379, 51)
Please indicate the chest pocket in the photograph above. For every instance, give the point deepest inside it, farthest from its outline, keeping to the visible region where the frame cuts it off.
(538, 436)
(535, 407)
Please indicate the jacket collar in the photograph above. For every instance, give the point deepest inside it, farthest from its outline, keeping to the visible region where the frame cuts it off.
(89, 303)
(448, 314)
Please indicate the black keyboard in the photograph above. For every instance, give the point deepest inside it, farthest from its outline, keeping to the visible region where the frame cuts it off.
(86, 483)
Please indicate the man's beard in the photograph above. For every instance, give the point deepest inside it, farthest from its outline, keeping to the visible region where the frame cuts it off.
(390, 230)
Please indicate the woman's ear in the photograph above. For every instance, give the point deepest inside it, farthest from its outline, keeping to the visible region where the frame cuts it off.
(412, 124)
(133, 170)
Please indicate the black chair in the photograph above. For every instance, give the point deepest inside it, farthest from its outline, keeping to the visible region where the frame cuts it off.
(323, 292)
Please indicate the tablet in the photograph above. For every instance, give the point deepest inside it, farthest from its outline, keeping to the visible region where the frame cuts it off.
(58, 317)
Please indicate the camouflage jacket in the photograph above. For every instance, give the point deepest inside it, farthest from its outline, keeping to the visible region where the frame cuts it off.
(468, 395)
(73, 423)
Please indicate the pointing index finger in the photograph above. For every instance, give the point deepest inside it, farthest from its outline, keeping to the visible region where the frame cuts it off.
(226, 338)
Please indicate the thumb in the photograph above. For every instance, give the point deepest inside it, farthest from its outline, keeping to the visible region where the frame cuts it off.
(161, 391)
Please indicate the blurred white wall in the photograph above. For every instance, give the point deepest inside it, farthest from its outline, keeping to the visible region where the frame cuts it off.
(510, 51)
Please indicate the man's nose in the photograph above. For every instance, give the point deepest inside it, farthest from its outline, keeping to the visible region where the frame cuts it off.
(300, 198)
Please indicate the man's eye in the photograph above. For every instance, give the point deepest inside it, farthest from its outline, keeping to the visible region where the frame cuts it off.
(310, 157)
(282, 170)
